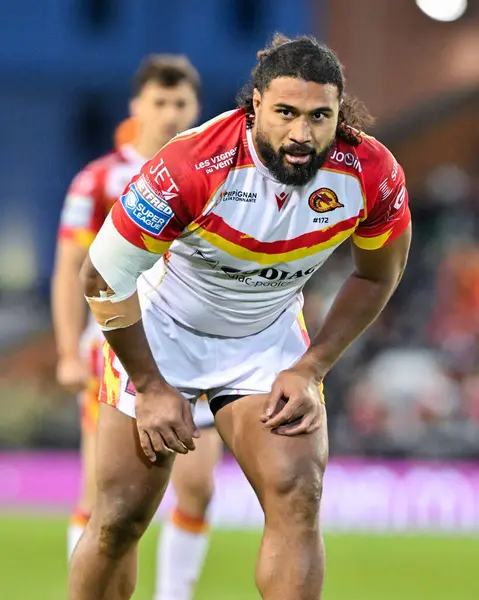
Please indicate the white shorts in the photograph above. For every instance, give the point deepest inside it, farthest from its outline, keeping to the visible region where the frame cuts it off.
(216, 367)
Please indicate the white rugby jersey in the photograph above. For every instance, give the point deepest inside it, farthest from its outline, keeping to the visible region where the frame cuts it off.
(238, 245)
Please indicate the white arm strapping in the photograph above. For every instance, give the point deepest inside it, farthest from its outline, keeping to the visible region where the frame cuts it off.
(119, 262)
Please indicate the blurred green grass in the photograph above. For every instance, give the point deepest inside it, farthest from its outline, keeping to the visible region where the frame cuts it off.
(360, 567)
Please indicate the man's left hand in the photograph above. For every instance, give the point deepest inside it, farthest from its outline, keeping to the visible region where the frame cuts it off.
(295, 404)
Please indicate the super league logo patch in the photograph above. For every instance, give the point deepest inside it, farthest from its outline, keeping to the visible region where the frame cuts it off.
(149, 211)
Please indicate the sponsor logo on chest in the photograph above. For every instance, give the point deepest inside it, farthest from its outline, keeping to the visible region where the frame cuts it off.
(238, 196)
(266, 277)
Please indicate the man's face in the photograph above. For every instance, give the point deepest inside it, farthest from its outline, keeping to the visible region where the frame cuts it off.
(295, 126)
(162, 112)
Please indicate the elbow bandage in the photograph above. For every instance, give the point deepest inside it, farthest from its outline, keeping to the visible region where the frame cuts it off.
(119, 263)
(115, 314)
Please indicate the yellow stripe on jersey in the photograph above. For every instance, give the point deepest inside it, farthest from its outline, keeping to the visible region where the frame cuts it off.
(371, 243)
(269, 259)
(155, 246)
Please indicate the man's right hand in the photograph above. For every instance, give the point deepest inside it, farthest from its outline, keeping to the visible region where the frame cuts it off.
(165, 422)
(72, 374)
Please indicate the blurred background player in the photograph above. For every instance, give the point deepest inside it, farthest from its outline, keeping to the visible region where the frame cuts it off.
(165, 101)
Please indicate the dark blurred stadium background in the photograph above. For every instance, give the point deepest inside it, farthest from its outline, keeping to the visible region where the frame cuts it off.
(404, 401)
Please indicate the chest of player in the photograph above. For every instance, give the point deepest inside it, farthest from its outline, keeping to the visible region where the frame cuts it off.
(259, 208)
(255, 212)
(255, 225)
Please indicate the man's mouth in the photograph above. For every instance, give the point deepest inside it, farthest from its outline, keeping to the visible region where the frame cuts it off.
(297, 159)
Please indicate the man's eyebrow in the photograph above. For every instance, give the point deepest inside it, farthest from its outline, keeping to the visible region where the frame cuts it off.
(322, 109)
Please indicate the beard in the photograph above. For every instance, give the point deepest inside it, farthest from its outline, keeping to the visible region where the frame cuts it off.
(287, 173)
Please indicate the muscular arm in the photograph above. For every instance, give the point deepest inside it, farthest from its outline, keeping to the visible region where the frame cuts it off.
(380, 249)
(156, 207)
(109, 274)
(359, 302)
(68, 303)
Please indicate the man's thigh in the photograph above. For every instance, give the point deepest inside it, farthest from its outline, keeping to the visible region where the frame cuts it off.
(128, 484)
(271, 461)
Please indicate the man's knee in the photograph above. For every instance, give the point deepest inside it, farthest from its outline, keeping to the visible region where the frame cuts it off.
(118, 523)
(292, 491)
(197, 489)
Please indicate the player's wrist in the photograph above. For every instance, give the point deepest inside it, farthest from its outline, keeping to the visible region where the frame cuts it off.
(149, 383)
(314, 365)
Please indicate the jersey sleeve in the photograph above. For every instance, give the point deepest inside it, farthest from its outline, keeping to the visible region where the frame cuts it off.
(82, 215)
(387, 209)
(161, 201)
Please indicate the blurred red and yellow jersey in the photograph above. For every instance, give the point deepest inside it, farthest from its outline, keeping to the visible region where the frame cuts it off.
(90, 197)
(94, 190)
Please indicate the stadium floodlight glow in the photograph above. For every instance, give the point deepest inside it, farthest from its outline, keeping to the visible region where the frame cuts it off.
(443, 10)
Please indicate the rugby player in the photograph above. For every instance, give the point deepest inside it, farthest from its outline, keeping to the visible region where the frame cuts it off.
(246, 208)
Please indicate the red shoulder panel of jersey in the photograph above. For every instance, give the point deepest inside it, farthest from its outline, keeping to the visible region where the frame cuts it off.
(174, 188)
(86, 205)
(386, 212)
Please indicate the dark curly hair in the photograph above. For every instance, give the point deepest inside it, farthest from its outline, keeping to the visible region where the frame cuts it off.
(305, 58)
